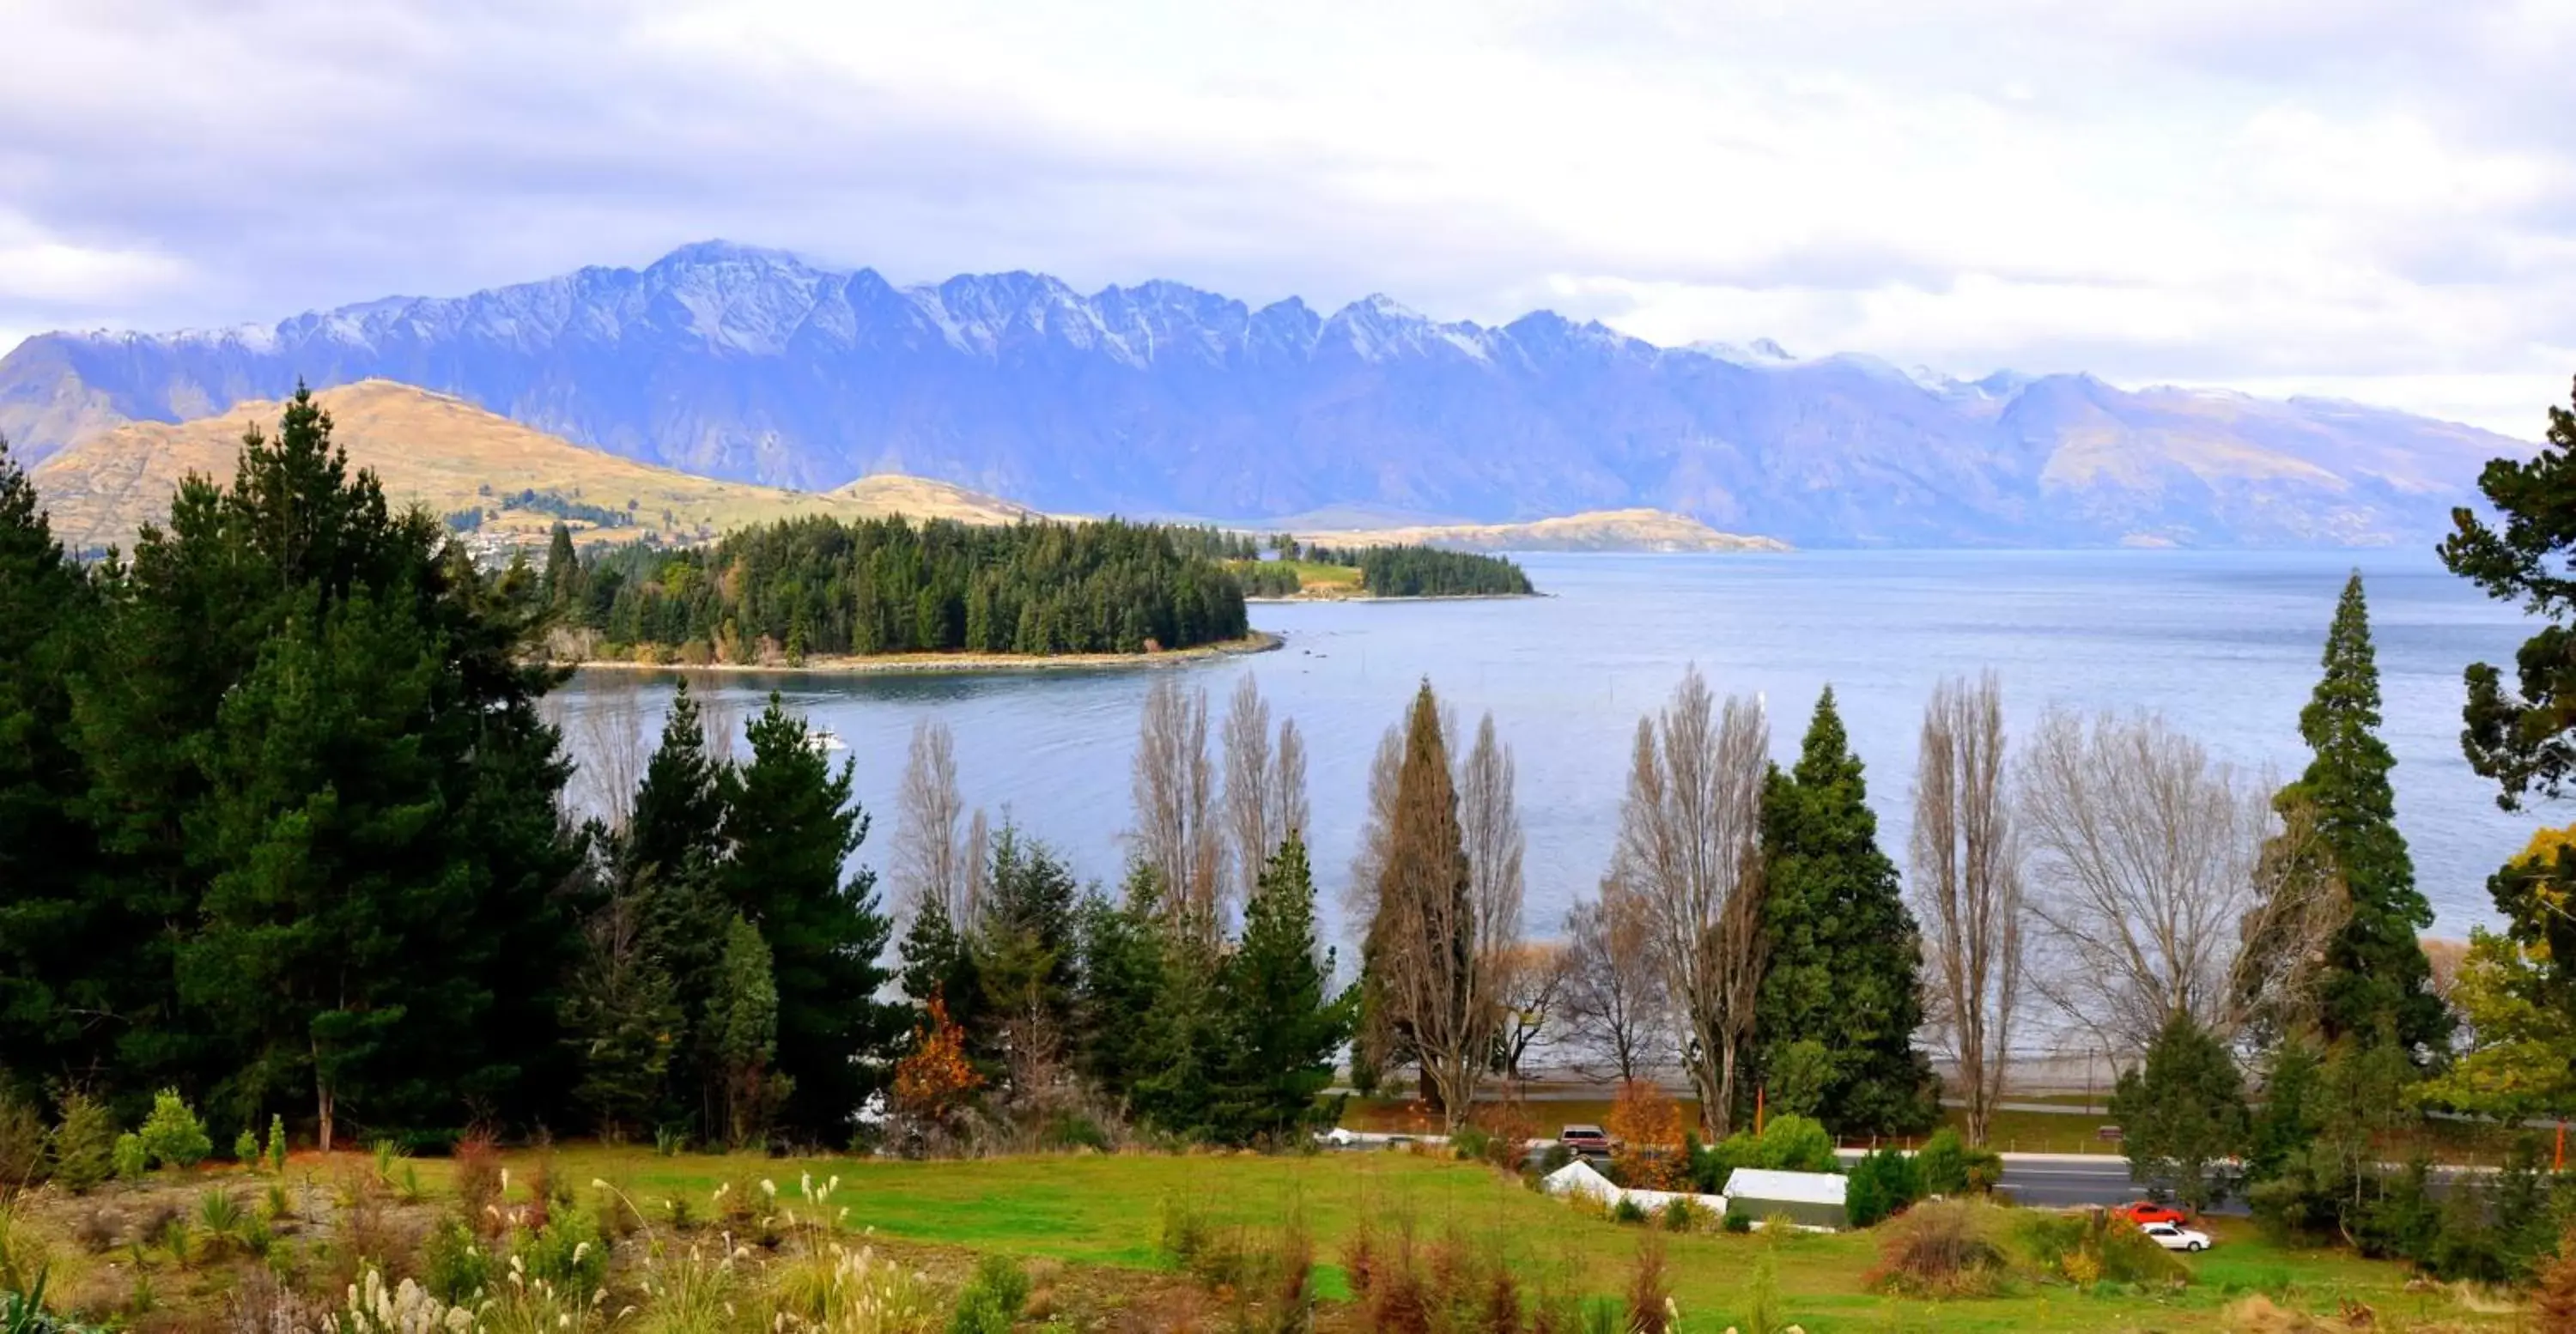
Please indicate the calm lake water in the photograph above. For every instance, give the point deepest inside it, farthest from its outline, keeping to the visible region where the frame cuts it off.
(2225, 644)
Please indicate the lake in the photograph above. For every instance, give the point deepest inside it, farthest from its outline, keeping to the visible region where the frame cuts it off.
(2225, 644)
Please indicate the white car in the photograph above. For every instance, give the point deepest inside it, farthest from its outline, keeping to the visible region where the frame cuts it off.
(2174, 1238)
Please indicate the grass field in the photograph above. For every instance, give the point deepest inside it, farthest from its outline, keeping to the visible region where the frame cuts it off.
(1100, 1217)
(1106, 1210)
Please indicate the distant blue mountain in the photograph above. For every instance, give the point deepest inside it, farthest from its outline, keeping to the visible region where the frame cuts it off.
(737, 362)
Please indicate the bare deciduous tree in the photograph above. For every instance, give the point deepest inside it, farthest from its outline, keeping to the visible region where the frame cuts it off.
(1288, 785)
(1489, 824)
(2141, 858)
(1265, 785)
(1967, 881)
(1377, 829)
(1615, 1007)
(1530, 986)
(1689, 849)
(929, 856)
(977, 853)
(607, 735)
(1175, 791)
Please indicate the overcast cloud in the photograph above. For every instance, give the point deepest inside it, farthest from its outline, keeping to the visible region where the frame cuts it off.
(2370, 198)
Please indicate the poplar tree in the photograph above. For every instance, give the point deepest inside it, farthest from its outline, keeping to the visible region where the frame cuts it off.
(1842, 994)
(1421, 949)
(2376, 979)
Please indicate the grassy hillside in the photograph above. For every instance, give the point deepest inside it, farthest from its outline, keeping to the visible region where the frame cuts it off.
(454, 457)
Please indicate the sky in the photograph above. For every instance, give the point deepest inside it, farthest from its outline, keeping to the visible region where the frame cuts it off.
(2373, 199)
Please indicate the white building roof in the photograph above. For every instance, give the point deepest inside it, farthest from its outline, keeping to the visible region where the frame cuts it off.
(1800, 1187)
(1579, 1178)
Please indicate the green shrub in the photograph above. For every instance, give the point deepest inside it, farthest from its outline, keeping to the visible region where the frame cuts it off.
(1941, 1250)
(1882, 1184)
(1794, 1144)
(1627, 1211)
(453, 1268)
(1865, 1197)
(991, 1301)
(1944, 1163)
(84, 1144)
(2096, 1246)
(22, 1144)
(1681, 1216)
(1471, 1142)
(172, 1135)
(277, 1144)
(568, 1253)
(246, 1149)
(132, 1159)
(1738, 1221)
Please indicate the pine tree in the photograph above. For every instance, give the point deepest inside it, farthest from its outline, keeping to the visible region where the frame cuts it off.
(2518, 733)
(794, 825)
(1284, 1022)
(47, 923)
(363, 820)
(623, 1019)
(2182, 1115)
(742, 1023)
(1121, 977)
(1026, 956)
(562, 586)
(1841, 996)
(2376, 978)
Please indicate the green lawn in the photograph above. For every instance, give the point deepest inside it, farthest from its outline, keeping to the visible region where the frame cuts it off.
(1107, 1210)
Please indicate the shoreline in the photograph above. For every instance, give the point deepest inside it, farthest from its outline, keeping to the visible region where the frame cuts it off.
(1259, 641)
(1409, 597)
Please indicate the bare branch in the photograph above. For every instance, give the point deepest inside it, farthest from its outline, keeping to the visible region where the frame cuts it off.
(1689, 849)
(2142, 854)
(1967, 881)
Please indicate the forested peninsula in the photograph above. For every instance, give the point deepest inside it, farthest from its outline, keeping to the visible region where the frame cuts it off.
(802, 591)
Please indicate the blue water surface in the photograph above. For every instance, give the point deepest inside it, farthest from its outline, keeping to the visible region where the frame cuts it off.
(2225, 644)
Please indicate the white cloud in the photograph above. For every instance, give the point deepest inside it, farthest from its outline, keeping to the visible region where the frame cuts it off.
(2374, 194)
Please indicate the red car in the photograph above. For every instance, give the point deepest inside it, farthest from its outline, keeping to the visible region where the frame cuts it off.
(2147, 1211)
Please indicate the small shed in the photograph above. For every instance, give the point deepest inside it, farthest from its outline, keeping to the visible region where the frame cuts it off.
(1809, 1199)
(1578, 1179)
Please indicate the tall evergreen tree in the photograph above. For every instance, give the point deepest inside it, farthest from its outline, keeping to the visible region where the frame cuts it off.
(2519, 734)
(1842, 996)
(326, 800)
(2376, 978)
(1283, 1020)
(742, 1021)
(2182, 1114)
(48, 925)
(1026, 955)
(794, 826)
(1120, 978)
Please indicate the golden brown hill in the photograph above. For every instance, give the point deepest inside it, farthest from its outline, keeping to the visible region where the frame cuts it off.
(451, 456)
(1598, 530)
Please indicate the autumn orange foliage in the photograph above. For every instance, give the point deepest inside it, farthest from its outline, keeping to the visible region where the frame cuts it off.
(1647, 1124)
(936, 1079)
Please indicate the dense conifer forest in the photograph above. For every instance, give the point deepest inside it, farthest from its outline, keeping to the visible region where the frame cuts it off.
(820, 585)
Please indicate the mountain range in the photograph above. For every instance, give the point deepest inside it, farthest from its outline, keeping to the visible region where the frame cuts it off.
(753, 365)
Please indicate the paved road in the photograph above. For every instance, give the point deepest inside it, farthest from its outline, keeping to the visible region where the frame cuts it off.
(2055, 1183)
